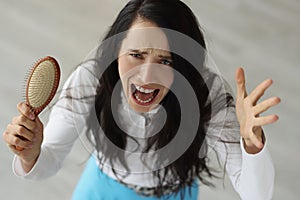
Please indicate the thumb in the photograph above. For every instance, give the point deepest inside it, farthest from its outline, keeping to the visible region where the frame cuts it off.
(39, 126)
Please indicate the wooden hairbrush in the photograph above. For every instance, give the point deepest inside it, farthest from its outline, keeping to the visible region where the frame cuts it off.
(41, 84)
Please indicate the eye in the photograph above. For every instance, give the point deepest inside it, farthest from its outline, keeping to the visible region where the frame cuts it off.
(166, 62)
(136, 55)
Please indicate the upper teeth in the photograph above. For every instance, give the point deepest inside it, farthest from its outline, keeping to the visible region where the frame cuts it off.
(141, 89)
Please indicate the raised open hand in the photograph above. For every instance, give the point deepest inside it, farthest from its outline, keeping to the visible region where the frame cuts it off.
(248, 111)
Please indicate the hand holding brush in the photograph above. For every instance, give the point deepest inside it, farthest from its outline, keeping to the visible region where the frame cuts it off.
(24, 135)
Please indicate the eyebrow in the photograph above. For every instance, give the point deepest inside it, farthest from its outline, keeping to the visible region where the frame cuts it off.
(146, 52)
(137, 51)
(165, 57)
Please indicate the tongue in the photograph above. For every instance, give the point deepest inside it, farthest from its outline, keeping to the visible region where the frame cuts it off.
(143, 96)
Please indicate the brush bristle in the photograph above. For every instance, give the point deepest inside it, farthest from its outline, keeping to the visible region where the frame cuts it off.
(41, 83)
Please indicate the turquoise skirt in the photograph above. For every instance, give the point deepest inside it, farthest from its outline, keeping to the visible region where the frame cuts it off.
(95, 185)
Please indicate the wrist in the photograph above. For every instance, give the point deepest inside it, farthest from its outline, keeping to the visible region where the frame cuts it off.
(28, 163)
(250, 147)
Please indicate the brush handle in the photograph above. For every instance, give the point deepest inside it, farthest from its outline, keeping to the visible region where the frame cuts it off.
(41, 85)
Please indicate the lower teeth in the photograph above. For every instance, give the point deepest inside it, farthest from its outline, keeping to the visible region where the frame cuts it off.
(142, 101)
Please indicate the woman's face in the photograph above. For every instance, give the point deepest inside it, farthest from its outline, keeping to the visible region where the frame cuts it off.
(145, 66)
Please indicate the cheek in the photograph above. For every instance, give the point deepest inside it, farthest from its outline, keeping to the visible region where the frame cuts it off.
(126, 66)
(170, 77)
(122, 66)
(122, 71)
(165, 76)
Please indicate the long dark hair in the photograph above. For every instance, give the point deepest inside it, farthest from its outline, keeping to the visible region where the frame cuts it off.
(173, 15)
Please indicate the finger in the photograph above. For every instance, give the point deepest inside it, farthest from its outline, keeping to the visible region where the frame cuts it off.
(39, 126)
(13, 140)
(240, 83)
(24, 109)
(14, 149)
(265, 105)
(264, 120)
(22, 132)
(259, 91)
(22, 120)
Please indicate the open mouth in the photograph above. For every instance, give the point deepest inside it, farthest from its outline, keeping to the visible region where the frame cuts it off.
(143, 96)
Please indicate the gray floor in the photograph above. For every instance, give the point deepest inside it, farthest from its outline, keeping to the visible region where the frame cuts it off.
(262, 36)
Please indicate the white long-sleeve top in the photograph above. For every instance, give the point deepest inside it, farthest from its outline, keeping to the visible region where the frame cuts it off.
(252, 175)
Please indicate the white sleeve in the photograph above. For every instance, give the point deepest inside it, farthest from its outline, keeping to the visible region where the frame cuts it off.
(257, 175)
(252, 175)
(66, 121)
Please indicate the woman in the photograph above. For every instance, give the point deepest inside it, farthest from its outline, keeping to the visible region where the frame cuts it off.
(152, 111)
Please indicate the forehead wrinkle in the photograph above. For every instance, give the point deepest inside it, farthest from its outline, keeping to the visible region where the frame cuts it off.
(138, 38)
(161, 53)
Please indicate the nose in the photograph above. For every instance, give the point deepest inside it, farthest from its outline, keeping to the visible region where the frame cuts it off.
(154, 73)
(148, 73)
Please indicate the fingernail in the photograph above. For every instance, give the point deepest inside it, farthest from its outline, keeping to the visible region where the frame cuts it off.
(32, 116)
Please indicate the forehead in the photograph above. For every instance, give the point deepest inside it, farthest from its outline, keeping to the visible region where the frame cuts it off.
(145, 35)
